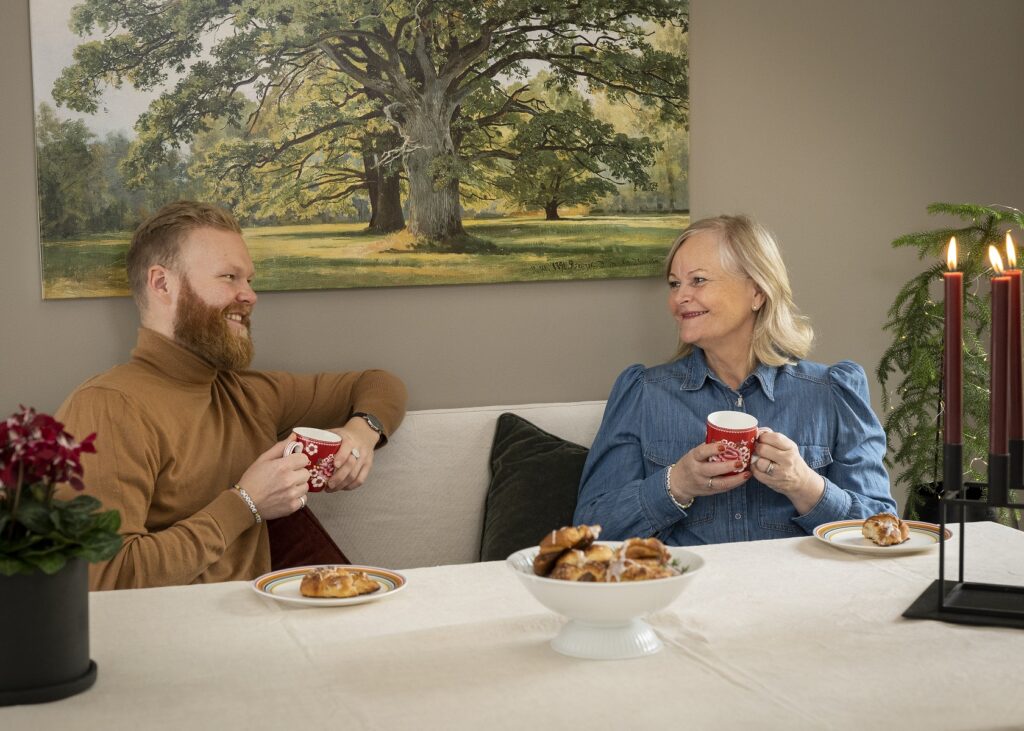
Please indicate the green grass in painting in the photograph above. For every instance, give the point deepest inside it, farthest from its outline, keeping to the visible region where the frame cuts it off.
(329, 256)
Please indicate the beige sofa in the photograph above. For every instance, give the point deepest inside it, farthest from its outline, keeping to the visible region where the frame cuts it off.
(424, 502)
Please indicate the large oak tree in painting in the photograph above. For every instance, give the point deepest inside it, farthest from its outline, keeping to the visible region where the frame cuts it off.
(373, 86)
(562, 155)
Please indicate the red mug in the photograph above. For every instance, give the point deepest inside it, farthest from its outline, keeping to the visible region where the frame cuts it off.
(738, 431)
(320, 446)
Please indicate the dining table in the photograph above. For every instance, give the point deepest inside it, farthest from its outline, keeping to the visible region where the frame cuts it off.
(779, 634)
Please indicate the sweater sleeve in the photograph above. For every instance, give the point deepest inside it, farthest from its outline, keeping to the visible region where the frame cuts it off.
(327, 400)
(122, 475)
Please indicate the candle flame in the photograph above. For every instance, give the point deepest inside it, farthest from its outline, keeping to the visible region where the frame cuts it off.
(951, 254)
(1011, 252)
(997, 261)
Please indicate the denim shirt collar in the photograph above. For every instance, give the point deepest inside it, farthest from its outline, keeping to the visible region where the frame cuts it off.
(694, 371)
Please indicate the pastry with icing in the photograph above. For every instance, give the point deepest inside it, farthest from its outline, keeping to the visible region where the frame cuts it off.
(885, 530)
(558, 542)
(570, 554)
(336, 581)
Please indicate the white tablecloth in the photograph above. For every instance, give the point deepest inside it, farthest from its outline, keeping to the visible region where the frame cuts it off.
(786, 634)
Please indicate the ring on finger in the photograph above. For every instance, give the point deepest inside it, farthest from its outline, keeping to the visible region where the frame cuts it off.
(710, 486)
(770, 468)
(302, 501)
(355, 453)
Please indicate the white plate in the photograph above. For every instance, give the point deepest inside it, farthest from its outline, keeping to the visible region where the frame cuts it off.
(846, 535)
(283, 586)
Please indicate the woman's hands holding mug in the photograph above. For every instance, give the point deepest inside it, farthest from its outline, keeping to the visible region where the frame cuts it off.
(694, 475)
(777, 463)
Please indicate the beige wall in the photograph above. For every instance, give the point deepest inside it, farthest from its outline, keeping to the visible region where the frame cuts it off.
(833, 122)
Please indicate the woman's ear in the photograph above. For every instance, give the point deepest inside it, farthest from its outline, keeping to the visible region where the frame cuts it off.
(759, 299)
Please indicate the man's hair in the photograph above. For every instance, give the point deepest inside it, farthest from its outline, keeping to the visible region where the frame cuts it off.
(781, 333)
(158, 239)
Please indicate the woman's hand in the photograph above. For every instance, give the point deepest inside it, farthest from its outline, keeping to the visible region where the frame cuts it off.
(694, 476)
(777, 463)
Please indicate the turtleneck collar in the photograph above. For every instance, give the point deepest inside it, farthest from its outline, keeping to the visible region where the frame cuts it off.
(171, 359)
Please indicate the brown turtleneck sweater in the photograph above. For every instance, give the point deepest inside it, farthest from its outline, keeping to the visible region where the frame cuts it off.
(174, 434)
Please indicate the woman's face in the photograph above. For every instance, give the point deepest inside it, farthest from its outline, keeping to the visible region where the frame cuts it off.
(713, 307)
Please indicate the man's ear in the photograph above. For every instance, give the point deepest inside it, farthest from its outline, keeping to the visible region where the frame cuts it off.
(159, 284)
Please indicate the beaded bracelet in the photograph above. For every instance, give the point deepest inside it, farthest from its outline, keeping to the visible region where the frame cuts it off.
(668, 489)
(249, 502)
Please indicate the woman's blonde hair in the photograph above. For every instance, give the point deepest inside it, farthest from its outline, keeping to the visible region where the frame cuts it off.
(781, 334)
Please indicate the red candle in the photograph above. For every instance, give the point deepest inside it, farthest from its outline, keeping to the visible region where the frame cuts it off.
(999, 380)
(1016, 425)
(952, 364)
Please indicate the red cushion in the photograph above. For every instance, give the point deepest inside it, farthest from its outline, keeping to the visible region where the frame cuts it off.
(300, 540)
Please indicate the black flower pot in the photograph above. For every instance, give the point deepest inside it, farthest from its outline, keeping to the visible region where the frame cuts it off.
(44, 655)
(929, 509)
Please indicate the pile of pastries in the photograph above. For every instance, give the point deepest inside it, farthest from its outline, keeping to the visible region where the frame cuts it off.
(336, 581)
(570, 554)
(884, 529)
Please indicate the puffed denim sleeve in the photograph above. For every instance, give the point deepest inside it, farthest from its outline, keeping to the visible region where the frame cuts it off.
(856, 482)
(614, 491)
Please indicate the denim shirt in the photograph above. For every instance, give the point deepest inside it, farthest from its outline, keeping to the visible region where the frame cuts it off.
(656, 415)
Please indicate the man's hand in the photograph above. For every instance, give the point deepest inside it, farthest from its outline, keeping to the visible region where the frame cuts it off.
(277, 484)
(354, 460)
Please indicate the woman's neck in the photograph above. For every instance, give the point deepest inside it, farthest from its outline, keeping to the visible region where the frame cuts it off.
(731, 365)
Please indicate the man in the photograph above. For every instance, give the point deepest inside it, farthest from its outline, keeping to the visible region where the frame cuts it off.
(190, 444)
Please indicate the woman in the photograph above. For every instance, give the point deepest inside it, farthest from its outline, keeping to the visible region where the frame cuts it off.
(818, 455)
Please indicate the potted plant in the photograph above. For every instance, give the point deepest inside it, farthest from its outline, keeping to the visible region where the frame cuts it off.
(45, 546)
(910, 370)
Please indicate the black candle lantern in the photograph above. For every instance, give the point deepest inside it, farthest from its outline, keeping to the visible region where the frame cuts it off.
(959, 600)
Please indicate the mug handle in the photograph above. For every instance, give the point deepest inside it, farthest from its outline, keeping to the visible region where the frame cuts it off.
(292, 448)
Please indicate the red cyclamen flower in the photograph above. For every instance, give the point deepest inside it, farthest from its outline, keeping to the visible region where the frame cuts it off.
(35, 449)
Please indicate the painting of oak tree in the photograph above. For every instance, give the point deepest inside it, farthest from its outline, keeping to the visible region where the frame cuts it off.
(367, 142)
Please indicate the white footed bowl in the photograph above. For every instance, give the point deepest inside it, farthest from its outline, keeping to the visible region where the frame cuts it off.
(605, 618)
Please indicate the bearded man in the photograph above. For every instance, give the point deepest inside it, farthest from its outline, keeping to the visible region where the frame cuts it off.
(190, 445)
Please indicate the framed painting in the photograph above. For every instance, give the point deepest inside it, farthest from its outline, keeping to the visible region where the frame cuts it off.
(365, 143)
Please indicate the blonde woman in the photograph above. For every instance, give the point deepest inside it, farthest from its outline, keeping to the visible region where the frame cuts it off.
(742, 345)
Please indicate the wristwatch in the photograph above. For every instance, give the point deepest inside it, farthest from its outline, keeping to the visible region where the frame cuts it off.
(373, 421)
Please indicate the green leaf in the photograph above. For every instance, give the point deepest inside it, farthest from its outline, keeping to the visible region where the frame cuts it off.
(49, 563)
(11, 565)
(108, 521)
(100, 547)
(35, 517)
(81, 505)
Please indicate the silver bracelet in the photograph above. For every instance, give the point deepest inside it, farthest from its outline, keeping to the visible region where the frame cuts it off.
(668, 489)
(251, 504)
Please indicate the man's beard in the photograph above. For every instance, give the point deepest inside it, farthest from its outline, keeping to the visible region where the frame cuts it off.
(204, 330)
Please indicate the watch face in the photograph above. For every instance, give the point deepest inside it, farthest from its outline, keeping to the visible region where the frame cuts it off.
(372, 421)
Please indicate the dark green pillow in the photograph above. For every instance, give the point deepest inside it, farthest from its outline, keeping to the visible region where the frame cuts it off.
(534, 480)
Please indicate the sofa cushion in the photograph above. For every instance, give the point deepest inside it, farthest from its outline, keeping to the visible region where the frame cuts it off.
(534, 480)
(423, 504)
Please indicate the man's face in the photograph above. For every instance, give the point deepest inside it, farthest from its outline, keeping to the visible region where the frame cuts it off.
(215, 299)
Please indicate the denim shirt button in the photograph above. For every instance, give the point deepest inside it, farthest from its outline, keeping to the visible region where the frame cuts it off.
(738, 516)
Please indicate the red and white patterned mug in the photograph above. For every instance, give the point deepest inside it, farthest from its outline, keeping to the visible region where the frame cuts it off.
(320, 446)
(738, 431)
